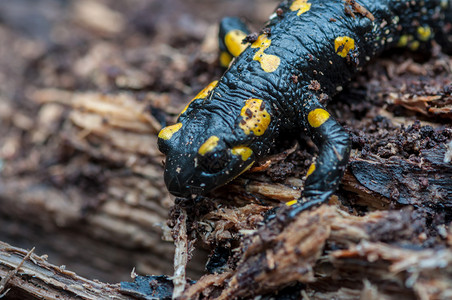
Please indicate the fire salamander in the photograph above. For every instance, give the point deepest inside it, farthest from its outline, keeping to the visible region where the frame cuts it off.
(278, 82)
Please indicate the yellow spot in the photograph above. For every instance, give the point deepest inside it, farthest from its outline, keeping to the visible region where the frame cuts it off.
(343, 45)
(424, 33)
(403, 41)
(225, 59)
(201, 94)
(414, 45)
(310, 170)
(233, 41)
(208, 145)
(317, 117)
(167, 132)
(290, 203)
(255, 117)
(205, 91)
(301, 5)
(269, 63)
(243, 151)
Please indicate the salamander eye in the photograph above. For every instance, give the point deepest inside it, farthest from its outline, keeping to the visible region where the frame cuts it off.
(214, 162)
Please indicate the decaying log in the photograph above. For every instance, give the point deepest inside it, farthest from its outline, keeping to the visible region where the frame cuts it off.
(333, 253)
(81, 175)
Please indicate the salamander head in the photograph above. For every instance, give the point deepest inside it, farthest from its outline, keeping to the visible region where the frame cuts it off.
(214, 141)
(202, 153)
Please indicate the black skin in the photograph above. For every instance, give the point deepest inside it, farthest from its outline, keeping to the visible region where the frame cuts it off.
(305, 47)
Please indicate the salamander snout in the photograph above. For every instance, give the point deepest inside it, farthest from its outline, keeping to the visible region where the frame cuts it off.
(195, 165)
(196, 174)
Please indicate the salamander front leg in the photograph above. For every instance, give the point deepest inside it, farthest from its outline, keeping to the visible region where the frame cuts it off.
(232, 32)
(324, 175)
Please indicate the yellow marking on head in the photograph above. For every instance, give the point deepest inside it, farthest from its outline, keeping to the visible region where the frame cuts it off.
(290, 203)
(310, 170)
(167, 132)
(424, 33)
(202, 94)
(209, 145)
(301, 5)
(343, 45)
(255, 117)
(225, 59)
(233, 41)
(317, 117)
(243, 151)
(414, 45)
(269, 62)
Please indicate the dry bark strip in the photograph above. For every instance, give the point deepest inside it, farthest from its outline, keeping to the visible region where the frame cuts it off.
(38, 279)
(181, 255)
(11, 274)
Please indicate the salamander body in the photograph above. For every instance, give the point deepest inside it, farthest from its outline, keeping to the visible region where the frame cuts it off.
(280, 83)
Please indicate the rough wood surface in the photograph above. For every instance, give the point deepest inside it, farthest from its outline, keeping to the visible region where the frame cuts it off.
(333, 252)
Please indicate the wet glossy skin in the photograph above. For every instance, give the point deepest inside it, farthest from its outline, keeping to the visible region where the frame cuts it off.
(279, 83)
